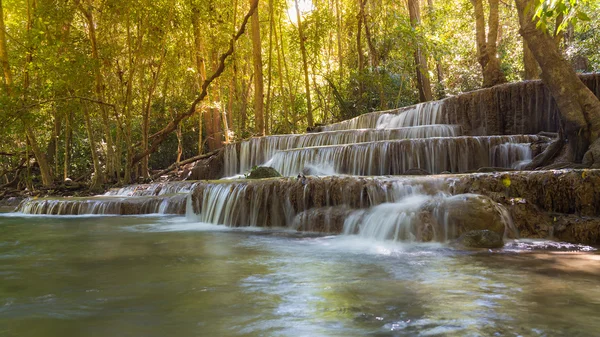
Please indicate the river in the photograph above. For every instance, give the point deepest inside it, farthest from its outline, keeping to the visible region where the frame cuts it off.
(164, 276)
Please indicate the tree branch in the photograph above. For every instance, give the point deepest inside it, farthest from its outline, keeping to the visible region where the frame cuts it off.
(27, 107)
(161, 135)
(184, 162)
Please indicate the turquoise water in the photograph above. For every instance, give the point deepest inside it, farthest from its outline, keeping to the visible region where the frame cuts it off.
(163, 276)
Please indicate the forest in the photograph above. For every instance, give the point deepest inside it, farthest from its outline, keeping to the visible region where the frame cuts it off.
(110, 91)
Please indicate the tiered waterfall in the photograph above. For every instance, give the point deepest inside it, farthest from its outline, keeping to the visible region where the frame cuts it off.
(359, 174)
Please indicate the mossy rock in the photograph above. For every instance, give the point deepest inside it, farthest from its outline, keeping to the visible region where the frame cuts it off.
(480, 239)
(262, 172)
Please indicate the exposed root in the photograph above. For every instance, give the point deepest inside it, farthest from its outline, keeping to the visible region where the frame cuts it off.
(592, 156)
(545, 158)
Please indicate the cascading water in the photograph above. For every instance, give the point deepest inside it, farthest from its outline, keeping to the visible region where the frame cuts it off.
(514, 155)
(259, 150)
(435, 155)
(160, 198)
(376, 144)
(421, 114)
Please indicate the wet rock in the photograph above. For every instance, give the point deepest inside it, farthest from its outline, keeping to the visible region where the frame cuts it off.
(426, 228)
(494, 169)
(592, 156)
(206, 169)
(564, 191)
(12, 201)
(323, 219)
(468, 212)
(262, 172)
(416, 172)
(565, 165)
(480, 239)
(317, 128)
(576, 229)
(529, 219)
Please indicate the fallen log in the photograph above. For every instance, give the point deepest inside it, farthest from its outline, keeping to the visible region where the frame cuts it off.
(184, 162)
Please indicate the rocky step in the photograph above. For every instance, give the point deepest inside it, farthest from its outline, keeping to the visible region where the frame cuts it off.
(555, 203)
(420, 114)
(241, 157)
(513, 108)
(106, 205)
(396, 157)
(152, 189)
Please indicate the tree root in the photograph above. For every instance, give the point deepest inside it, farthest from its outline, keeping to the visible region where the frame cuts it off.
(545, 158)
(592, 155)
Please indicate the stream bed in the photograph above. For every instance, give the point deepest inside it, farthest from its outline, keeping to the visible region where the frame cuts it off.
(165, 276)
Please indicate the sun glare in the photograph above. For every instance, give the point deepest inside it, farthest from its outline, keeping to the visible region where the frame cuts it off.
(305, 6)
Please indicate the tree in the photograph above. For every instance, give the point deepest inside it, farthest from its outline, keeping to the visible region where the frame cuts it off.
(423, 82)
(258, 73)
(4, 53)
(309, 112)
(487, 47)
(579, 107)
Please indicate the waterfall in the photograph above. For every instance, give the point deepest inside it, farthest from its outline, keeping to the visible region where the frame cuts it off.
(420, 114)
(159, 198)
(515, 155)
(435, 155)
(155, 189)
(259, 150)
(389, 221)
(104, 206)
(420, 217)
(356, 183)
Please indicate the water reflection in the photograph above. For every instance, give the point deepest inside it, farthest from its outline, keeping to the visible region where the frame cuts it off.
(150, 276)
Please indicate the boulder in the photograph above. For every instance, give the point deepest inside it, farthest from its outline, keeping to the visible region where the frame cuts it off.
(415, 171)
(206, 169)
(467, 212)
(262, 172)
(480, 239)
(323, 219)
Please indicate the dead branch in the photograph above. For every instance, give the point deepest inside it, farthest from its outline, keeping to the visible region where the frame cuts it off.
(184, 162)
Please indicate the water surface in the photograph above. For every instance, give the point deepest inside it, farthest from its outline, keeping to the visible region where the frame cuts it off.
(161, 276)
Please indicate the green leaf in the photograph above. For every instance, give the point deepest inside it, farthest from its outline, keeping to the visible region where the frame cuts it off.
(582, 16)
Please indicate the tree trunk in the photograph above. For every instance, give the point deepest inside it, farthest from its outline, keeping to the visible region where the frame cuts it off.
(579, 107)
(532, 70)
(99, 89)
(309, 115)
(440, 89)
(286, 113)
(97, 178)
(218, 129)
(359, 51)
(423, 82)
(147, 110)
(373, 57)
(233, 83)
(258, 74)
(40, 157)
(487, 47)
(338, 32)
(201, 77)
(4, 54)
(268, 114)
(291, 89)
(67, 151)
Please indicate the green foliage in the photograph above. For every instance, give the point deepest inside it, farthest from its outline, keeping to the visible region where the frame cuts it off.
(560, 12)
(144, 43)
